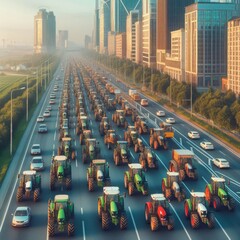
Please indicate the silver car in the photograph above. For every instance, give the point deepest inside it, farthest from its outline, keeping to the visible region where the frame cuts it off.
(21, 217)
(36, 149)
(37, 163)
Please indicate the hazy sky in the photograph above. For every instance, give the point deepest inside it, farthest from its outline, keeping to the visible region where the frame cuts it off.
(17, 18)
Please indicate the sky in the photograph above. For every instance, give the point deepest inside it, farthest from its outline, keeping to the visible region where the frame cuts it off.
(17, 19)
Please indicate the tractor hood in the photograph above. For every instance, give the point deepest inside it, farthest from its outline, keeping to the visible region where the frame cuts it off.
(138, 179)
(222, 194)
(28, 185)
(114, 212)
(61, 216)
(91, 148)
(161, 212)
(202, 210)
(175, 187)
(123, 152)
(99, 175)
(60, 171)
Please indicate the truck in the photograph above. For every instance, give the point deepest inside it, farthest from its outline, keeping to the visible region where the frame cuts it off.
(134, 94)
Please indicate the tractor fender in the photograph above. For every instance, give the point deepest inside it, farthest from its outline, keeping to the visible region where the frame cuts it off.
(161, 212)
(128, 175)
(89, 171)
(101, 200)
(209, 186)
(189, 203)
(148, 205)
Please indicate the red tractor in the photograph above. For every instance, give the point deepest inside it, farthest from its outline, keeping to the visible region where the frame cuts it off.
(157, 212)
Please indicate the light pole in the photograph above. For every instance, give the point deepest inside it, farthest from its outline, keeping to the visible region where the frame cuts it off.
(11, 127)
(27, 101)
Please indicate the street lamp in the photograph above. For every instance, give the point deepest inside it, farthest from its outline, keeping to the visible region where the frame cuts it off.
(11, 127)
(27, 101)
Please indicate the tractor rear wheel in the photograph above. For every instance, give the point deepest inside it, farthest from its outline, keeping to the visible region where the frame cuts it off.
(186, 210)
(231, 204)
(123, 221)
(130, 188)
(194, 220)
(81, 139)
(36, 194)
(51, 230)
(211, 221)
(125, 181)
(216, 203)
(151, 141)
(170, 225)
(68, 183)
(71, 229)
(99, 209)
(154, 223)
(90, 184)
(19, 194)
(105, 221)
(208, 196)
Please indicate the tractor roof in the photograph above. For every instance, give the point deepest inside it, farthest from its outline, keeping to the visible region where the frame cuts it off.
(166, 124)
(111, 190)
(87, 131)
(135, 165)
(157, 129)
(218, 179)
(119, 110)
(111, 131)
(158, 197)
(184, 152)
(132, 128)
(61, 198)
(91, 139)
(99, 161)
(60, 158)
(66, 139)
(198, 194)
(173, 174)
(83, 117)
(29, 172)
(139, 140)
(122, 142)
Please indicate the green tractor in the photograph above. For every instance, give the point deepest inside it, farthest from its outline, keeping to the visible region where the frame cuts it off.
(98, 174)
(85, 134)
(29, 186)
(196, 209)
(60, 215)
(121, 153)
(111, 209)
(66, 148)
(135, 180)
(91, 150)
(60, 172)
(217, 194)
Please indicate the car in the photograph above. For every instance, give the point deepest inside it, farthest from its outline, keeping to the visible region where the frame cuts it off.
(193, 135)
(51, 101)
(37, 163)
(42, 128)
(52, 96)
(160, 113)
(21, 217)
(170, 120)
(36, 149)
(207, 145)
(49, 108)
(221, 163)
(47, 113)
(40, 119)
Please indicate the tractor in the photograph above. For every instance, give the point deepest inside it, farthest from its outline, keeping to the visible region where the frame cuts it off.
(104, 126)
(99, 112)
(147, 159)
(126, 107)
(111, 104)
(60, 215)
(131, 136)
(157, 212)
(182, 162)
(141, 126)
(121, 153)
(98, 174)
(110, 139)
(111, 209)
(60, 172)
(171, 187)
(135, 180)
(196, 209)
(90, 151)
(218, 196)
(139, 146)
(85, 135)
(29, 186)
(82, 124)
(119, 118)
(168, 130)
(66, 148)
(157, 138)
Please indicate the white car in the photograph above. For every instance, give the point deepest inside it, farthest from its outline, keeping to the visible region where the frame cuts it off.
(47, 113)
(170, 120)
(42, 128)
(207, 145)
(160, 113)
(49, 108)
(51, 101)
(37, 163)
(21, 217)
(193, 135)
(40, 119)
(221, 163)
(36, 149)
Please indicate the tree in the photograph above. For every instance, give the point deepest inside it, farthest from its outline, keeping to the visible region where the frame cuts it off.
(225, 118)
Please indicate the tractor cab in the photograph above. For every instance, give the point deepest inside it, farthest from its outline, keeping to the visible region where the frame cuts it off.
(87, 133)
(218, 183)
(172, 177)
(158, 200)
(198, 198)
(99, 166)
(111, 194)
(61, 164)
(120, 113)
(135, 168)
(29, 179)
(168, 130)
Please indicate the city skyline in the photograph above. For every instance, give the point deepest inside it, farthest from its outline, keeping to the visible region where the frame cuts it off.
(17, 17)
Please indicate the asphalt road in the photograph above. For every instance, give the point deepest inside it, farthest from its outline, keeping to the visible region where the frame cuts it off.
(87, 223)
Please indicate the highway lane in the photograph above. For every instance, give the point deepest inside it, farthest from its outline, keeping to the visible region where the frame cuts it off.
(87, 223)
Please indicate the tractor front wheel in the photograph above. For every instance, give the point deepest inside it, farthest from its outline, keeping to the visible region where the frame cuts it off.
(231, 204)
(90, 185)
(126, 181)
(105, 221)
(71, 229)
(123, 221)
(51, 230)
(211, 221)
(195, 221)
(170, 225)
(19, 194)
(36, 194)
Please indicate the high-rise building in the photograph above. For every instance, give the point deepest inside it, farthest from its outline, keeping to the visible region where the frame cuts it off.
(233, 64)
(206, 42)
(44, 32)
(120, 9)
(121, 45)
(104, 23)
(111, 43)
(132, 18)
(149, 33)
(62, 39)
(138, 29)
(96, 27)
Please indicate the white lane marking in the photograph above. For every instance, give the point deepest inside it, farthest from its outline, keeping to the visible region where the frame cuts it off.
(83, 228)
(134, 224)
(222, 229)
(179, 219)
(76, 159)
(75, 143)
(54, 138)
(82, 211)
(180, 141)
(222, 153)
(132, 155)
(186, 186)
(159, 159)
(57, 120)
(210, 162)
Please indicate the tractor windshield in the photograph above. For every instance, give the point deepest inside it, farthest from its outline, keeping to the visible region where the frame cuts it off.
(200, 200)
(112, 197)
(220, 185)
(123, 146)
(28, 178)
